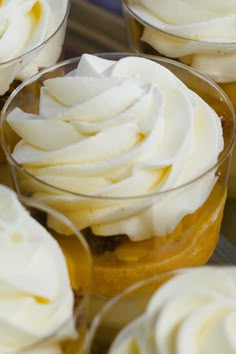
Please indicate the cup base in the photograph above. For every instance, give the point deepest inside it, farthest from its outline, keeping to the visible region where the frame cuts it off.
(192, 243)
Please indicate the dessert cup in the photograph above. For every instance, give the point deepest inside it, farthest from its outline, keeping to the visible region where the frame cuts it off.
(79, 266)
(148, 317)
(21, 66)
(120, 261)
(215, 59)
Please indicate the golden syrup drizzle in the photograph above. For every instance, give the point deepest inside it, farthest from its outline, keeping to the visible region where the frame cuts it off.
(41, 300)
(16, 238)
(141, 137)
(162, 174)
(36, 11)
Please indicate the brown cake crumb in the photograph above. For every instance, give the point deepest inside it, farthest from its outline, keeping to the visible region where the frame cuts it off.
(101, 244)
(12, 88)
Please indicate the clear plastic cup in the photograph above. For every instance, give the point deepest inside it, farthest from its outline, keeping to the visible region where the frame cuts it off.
(143, 322)
(146, 38)
(206, 56)
(47, 53)
(79, 265)
(119, 261)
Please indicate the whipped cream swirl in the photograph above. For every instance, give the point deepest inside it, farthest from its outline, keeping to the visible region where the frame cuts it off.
(35, 294)
(24, 25)
(194, 312)
(124, 128)
(209, 26)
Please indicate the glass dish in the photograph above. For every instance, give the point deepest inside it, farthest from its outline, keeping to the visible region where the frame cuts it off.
(119, 262)
(107, 27)
(79, 265)
(47, 53)
(142, 314)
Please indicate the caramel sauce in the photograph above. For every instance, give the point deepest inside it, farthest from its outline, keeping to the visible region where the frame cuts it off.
(36, 11)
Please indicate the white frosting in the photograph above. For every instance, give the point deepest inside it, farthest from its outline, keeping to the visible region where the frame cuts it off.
(194, 312)
(120, 129)
(209, 25)
(24, 25)
(35, 293)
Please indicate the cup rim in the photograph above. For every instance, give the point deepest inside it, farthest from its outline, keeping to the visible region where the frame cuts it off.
(226, 45)
(111, 56)
(42, 44)
(138, 285)
(37, 204)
